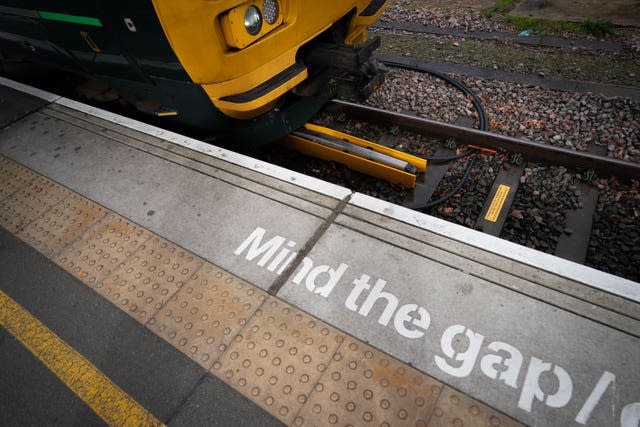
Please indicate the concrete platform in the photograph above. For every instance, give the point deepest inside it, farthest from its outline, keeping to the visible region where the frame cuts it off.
(319, 305)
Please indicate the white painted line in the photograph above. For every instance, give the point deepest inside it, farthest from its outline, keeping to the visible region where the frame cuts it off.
(47, 96)
(568, 269)
(265, 168)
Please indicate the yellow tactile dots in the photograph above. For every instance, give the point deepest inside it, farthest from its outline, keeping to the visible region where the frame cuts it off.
(113, 240)
(278, 358)
(364, 386)
(203, 317)
(62, 224)
(29, 202)
(13, 177)
(455, 409)
(144, 283)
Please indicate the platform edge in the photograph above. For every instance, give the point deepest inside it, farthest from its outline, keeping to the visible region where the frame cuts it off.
(587, 275)
(238, 159)
(29, 90)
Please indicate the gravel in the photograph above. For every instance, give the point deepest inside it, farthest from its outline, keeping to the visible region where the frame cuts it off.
(403, 11)
(564, 119)
(423, 94)
(571, 63)
(465, 207)
(538, 213)
(571, 120)
(452, 16)
(615, 236)
(546, 194)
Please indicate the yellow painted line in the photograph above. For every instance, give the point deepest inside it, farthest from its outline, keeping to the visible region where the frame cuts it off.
(497, 203)
(105, 398)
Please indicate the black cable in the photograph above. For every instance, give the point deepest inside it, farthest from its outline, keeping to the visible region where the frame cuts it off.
(446, 159)
(458, 187)
(482, 125)
(477, 103)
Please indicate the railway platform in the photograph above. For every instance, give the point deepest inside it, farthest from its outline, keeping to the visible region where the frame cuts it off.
(147, 278)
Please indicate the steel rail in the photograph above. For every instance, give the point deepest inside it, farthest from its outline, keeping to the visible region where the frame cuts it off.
(535, 151)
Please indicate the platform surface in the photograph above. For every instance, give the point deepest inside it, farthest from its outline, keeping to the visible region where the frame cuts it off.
(206, 284)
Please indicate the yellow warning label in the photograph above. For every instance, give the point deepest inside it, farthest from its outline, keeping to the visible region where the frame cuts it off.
(497, 203)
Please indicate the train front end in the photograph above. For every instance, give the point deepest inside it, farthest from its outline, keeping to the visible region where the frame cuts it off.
(271, 63)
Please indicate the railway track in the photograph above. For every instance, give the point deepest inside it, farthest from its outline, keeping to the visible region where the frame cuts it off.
(454, 158)
(531, 150)
(530, 40)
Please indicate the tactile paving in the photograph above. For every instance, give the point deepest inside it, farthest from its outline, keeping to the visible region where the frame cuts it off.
(203, 317)
(364, 386)
(294, 366)
(59, 226)
(278, 358)
(111, 241)
(455, 409)
(29, 202)
(13, 177)
(141, 285)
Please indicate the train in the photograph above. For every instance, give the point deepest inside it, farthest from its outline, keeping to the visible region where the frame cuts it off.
(246, 71)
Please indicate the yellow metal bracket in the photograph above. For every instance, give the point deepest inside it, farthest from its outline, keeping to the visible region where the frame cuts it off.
(89, 41)
(355, 162)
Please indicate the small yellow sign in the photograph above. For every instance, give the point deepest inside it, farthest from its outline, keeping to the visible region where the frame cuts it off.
(497, 203)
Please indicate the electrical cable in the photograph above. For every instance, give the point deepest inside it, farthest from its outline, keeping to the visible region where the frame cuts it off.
(482, 125)
(457, 188)
(476, 101)
(447, 159)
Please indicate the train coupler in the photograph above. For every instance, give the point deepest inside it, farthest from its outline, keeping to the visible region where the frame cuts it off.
(354, 68)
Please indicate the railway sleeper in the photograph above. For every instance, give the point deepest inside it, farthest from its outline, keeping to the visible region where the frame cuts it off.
(497, 206)
(573, 243)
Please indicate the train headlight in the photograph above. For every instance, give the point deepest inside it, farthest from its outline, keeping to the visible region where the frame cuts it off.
(271, 11)
(252, 20)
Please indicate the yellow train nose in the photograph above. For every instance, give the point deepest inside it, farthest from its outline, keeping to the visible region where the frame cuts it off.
(245, 53)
